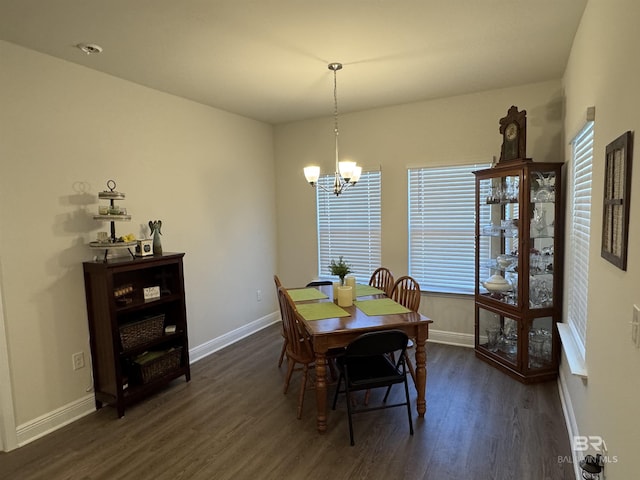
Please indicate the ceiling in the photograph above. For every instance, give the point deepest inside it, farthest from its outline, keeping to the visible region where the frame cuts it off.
(267, 59)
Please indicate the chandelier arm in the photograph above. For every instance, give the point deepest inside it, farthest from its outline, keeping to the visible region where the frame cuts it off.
(346, 186)
(336, 190)
(323, 188)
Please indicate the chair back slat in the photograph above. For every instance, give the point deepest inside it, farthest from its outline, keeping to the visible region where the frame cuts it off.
(406, 292)
(299, 344)
(382, 278)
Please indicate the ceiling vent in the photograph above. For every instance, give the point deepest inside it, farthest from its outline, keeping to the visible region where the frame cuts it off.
(89, 48)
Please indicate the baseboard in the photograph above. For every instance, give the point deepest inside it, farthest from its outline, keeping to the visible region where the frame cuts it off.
(569, 418)
(205, 349)
(452, 338)
(41, 426)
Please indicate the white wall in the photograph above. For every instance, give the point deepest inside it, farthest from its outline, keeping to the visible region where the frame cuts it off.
(65, 131)
(603, 71)
(449, 131)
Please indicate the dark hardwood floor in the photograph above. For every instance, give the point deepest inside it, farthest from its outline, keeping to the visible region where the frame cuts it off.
(233, 422)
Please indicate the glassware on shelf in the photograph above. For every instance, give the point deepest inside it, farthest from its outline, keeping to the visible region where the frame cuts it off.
(546, 191)
(495, 196)
(507, 191)
(539, 221)
(493, 338)
(491, 230)
(509, 227)
(547, 259)
(536, 349)
(534, 262)
(539, 347)
(540, 291)
(510, 298)
(509, 343)
(505, 261)
(512, 189)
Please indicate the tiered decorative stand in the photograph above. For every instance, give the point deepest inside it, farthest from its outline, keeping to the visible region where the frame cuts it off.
(112, 213)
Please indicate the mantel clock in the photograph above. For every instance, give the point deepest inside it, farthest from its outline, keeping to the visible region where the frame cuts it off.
(513, 128)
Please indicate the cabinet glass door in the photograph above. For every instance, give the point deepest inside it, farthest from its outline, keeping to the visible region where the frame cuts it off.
(499, 235)
(498, 334)
(541, 343)
(541, 232)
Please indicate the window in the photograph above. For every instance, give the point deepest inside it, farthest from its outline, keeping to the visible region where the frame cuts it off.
(442, 228)
(579, 231)
(349, 225)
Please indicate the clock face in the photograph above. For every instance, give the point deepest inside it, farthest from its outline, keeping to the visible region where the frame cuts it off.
(511, 132)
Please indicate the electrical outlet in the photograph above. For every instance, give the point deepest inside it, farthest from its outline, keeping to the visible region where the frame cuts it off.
(78, 360)
(259, 295)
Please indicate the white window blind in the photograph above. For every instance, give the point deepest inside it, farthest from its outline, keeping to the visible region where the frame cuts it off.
(442, 228)
(349, 225)
(579, 231)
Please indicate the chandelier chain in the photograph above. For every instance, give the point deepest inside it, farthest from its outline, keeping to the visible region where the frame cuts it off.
(335, 102)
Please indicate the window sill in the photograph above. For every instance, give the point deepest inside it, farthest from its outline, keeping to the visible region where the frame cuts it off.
(577, 363)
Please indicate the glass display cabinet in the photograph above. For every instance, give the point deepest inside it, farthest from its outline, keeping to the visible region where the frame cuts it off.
(519, 255)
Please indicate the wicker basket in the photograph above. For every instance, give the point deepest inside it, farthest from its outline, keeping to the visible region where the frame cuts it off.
(144, 331)
(154, 365)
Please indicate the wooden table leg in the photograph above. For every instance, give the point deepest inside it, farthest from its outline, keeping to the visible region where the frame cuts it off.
(421, 371)
(321, 390)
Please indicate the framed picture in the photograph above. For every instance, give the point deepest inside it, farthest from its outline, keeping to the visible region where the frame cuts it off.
(617, 197)
(151, 293)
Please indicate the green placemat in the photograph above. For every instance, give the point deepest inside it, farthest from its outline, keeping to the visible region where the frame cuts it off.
(380, 306)
(320, 310)
(367, 290)
(302, 294)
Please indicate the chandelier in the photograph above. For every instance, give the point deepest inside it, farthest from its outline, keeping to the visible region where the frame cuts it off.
(347, 173)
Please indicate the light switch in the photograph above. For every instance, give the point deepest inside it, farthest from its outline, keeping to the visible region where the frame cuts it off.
(635, 326)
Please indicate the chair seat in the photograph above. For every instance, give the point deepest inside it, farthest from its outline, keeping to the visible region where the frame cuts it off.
(371, 372)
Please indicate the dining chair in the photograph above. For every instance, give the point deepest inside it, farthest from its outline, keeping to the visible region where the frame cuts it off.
(319, 283)
(284, 337)
(299, 349)
(406, 291)
(382, 278)
(367, 364)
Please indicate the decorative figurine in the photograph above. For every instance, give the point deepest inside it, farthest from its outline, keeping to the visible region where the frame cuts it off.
(155, 231)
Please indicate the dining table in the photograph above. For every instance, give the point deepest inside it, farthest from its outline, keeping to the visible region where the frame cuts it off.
(332, 327)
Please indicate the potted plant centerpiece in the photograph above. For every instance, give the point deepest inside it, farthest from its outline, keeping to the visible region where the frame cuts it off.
(340, 269)
(344, 293)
